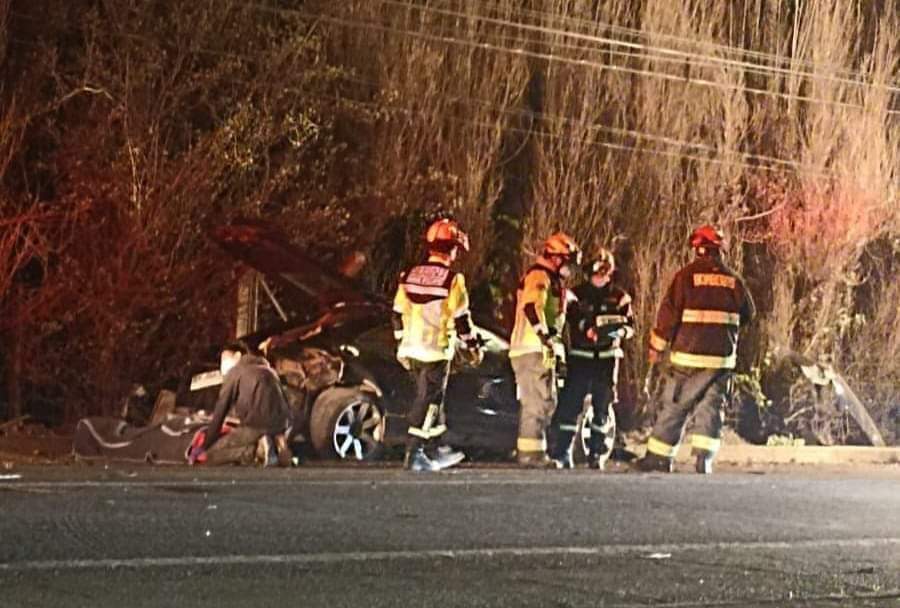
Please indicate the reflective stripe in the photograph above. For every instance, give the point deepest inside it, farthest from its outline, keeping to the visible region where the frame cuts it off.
(568, 427)
(603, 354)
(711, 317)
(657, 343)
(422, 290)
(705, 361)
(703, 442)
(529, 444)
(601, 320)
(602, 428)
(430, 434)
(661, 448)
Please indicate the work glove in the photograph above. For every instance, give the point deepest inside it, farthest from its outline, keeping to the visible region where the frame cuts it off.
(562, 372)
(475, 351)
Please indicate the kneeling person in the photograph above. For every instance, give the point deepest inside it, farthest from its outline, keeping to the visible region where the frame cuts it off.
(251, 392)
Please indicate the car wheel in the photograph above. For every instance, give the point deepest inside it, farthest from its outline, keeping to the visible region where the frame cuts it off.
(346, 424)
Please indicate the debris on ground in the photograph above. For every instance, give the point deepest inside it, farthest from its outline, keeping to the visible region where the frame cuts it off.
(24, 441)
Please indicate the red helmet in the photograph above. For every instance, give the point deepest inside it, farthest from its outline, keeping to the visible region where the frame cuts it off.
(707, 236)
(445, 234)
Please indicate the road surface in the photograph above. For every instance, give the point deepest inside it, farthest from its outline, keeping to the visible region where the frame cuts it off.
(363, 536)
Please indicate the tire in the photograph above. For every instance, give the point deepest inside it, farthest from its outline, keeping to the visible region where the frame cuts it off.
(346, 424)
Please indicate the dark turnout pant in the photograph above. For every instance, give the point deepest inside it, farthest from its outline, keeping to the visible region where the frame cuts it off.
(426, 416)
(702, 392)
(598, 379)
(235, 447)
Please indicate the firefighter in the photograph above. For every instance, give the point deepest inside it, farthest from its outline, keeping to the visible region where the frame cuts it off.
(600, 318)
(431, 301)
(698, 324)
(536, 349)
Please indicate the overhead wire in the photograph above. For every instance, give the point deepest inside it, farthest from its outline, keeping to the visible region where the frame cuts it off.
(633, 133)
(545, 135)
(591, 128)
(552, 57)
(693, 42)
(638, 47)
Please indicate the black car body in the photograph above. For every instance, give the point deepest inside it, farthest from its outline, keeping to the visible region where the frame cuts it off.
(348, 393)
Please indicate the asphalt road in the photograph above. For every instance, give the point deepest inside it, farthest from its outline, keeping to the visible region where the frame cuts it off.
(132, 537)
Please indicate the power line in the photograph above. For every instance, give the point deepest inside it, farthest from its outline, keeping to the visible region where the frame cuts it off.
(648, 55)
(636, 134)
(644, 34)
(377, 26)
(592, 141)
(640, 135)
(631, 45)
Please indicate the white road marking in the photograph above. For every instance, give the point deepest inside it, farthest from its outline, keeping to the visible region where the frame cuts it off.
(453, 554)
(449, 478)
(438, 480)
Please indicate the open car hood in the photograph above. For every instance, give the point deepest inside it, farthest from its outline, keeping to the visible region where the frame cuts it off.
(307, 281)
(270, 252)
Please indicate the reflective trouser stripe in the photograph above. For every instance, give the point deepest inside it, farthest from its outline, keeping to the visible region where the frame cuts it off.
(661, 448)
(603, 354)
(602, 428)
(568, 427)
(657, 343)
(529, 444)
(704, 361)
(429, 429)
(703, 442)
(436, 431)
(710, 317)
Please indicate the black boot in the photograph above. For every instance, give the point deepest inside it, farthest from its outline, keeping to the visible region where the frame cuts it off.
(655, 463)
(596, 462)
(704, 462)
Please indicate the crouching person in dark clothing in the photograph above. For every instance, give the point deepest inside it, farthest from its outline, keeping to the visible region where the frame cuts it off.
(251, 392)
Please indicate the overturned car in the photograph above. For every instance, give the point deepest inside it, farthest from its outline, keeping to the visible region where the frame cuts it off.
(348, 394)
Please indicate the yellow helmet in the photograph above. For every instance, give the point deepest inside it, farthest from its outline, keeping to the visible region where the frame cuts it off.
(561, 244)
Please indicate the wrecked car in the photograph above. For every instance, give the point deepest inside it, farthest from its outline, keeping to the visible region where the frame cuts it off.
(348, 394)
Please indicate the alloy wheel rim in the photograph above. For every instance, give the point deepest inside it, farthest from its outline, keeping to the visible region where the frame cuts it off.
(357, 430)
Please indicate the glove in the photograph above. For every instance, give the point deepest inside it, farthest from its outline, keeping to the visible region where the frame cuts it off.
(562, 371)
(474, 352)
(547, 338)
(559, 349)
